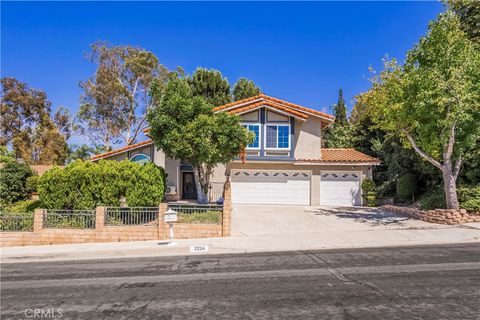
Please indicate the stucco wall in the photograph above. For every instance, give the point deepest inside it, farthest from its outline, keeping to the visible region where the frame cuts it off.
(308, 138)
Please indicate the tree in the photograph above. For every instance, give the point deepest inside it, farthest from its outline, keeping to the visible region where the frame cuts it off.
(245, 88)
(27, 125)
(211, 85)
(468, 11)
(13, 182)
(339, 133)
(114, 102)
(433, 100)
(83, 152)
(185, 127)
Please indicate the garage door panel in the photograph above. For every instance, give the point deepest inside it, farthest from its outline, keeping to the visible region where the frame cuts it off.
(271, 187)
(340, 188)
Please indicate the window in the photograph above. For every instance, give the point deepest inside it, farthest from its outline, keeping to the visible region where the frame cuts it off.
(255, 128)
(277, 137)
(140, 158)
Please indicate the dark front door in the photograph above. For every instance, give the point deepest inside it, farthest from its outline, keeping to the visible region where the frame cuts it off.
(189, 190)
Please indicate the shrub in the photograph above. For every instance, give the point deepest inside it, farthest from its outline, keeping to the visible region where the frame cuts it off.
(200, 217)
(13, 182)
(84, 185)
(469, 198)
(369, 193)
(368, 186)
(371, 199)
(23, 206)
(434, 199)
(406, 187)
(31, 183)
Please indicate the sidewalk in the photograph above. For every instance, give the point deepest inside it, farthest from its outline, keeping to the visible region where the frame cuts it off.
(247, 244)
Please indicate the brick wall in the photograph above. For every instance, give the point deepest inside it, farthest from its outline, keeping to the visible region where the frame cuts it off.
(102, 233)
(442, 216)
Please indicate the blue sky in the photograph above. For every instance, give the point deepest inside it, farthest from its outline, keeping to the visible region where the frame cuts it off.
(300, 52)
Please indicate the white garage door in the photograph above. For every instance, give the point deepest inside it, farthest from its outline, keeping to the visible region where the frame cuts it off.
(271, 187)
(340, 189)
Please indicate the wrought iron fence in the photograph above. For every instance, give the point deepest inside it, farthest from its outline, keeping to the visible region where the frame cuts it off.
(131, 216)
(69, 219)
(16, 221)
(215, 191)
(198, 213)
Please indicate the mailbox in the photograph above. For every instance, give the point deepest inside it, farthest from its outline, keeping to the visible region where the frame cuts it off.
(170, 217)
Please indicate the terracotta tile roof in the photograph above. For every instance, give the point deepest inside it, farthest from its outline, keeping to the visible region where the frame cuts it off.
(262, 98)
(270, 104)
(342, 155)
(120, 150)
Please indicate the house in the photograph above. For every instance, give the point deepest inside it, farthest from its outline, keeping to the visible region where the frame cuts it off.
(284, 165)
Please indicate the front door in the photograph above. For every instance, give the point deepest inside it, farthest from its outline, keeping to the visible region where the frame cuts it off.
(189, 190)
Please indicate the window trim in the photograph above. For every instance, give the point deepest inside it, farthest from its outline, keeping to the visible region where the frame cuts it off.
(276, 124)
(259, 125)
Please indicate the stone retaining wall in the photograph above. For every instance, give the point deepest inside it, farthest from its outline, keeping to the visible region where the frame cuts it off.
(442, 216)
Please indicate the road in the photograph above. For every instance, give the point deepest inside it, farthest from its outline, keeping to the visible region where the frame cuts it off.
(430, 282)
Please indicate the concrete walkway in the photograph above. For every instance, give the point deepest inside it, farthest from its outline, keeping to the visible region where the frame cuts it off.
(370, 229)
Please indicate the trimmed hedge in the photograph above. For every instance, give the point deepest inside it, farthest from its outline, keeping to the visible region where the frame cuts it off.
(13, 183)
(83, 185)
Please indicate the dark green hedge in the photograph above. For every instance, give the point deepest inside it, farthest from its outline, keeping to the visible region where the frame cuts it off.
(13, 183)
(84, 185)
(406, 187)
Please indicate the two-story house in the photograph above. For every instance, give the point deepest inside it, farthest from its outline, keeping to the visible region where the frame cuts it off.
(284, 165)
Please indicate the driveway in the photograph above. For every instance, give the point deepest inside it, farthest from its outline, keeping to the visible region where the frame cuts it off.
(252, 220)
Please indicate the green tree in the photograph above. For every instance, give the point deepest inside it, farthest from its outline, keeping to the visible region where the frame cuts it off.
(184, 126)
(114, 102)
(433, 100)
(13, 182)
(83, 152)
(28, 127)
(468, 11)
(340, 110)
(339, 133)
(245, 88)
(211, 85)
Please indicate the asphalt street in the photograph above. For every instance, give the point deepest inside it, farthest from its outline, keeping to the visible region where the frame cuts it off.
(429, 282)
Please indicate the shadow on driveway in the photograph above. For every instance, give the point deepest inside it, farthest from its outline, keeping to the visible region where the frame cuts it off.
(371, 216)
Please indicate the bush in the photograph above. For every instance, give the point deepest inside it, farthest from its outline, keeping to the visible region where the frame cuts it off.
(434, 199)
(368, 186)
(200, 217)
(31, 183)
(13, 182)
(469, 198)
(84, 185)
(23, 206)
(406, 187)
(369, 193)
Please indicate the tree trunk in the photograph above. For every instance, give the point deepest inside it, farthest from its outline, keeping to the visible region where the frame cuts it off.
(201, 183)
(450, 186)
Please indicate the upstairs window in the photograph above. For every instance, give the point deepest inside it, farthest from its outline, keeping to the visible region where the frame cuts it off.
(277, 137)
(255, 128)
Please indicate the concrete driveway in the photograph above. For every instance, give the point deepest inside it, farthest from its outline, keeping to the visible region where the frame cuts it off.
(252, 220)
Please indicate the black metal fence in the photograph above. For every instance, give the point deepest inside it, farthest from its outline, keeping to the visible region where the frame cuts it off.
(16, 222)
(131, 216)
(69, 219)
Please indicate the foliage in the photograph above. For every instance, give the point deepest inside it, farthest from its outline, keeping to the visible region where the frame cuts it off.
(23, 206)
(200, 217)
(211, 85)
(245, 88)
(115, 100)
(185, 127)
(369, 192)
(371, 199)
(84, 185)
(82, 152)
(468, 11)
(31, 183)
(434, 199)
(339, 133)
(469, 198)
(13, 182)
(28, 127)
(16, 222)
(368, 185)
(406, 187)
(433, 100)
(6, 155)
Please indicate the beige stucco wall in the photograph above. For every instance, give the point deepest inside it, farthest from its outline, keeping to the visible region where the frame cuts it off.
(308, 138)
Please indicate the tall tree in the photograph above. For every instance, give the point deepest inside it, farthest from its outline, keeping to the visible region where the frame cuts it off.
(245, 88)
(115, 100)
(340, 110)
(211, 85)
(185, 127)
(433, 100)
(339, 133)
(27, 125)
(468, 11)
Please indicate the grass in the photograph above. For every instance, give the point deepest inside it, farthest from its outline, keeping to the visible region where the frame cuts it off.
(200, 217)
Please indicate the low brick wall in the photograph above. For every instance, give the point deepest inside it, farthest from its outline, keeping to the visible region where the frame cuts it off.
(442, 216)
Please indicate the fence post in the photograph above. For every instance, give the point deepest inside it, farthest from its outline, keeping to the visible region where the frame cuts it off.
(38, 220)
(162, 208)
(100, 218)
(227, 210)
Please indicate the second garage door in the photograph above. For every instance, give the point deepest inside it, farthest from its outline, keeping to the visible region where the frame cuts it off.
(271, 187)
(340, 189)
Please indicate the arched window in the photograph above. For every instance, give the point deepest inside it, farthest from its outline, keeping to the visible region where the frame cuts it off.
(141, 158)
